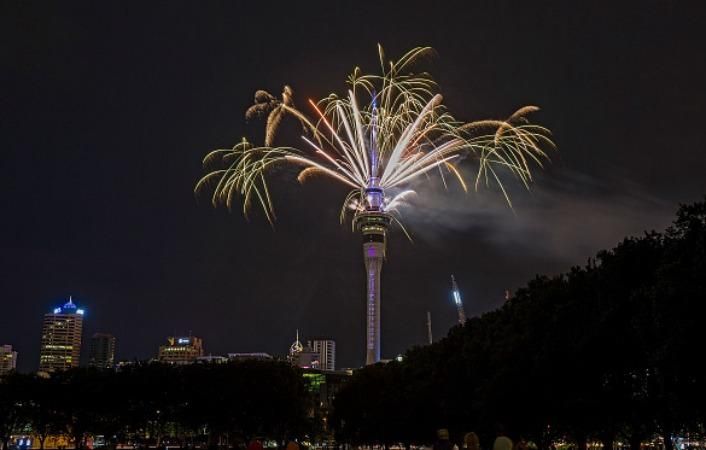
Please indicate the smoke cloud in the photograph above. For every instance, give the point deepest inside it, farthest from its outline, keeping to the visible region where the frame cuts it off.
(566, 216)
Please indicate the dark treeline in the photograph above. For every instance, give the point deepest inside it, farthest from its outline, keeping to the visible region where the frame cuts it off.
(611, 351)
(146, 404)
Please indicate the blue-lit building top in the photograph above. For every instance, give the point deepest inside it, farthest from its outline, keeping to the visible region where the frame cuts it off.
(69, 308)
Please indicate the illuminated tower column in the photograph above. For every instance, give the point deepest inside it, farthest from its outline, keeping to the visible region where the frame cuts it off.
(373, 224)
(373, 254)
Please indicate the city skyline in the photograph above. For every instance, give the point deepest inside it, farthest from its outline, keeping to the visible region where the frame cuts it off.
(98, 349)
(103, 131)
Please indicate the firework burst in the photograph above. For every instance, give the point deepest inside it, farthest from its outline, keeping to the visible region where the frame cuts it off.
(387, 130)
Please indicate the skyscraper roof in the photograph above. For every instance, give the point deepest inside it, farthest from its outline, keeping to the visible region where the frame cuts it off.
(69, 308)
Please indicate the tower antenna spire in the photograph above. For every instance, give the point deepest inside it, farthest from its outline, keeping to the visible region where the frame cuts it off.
(458, 301)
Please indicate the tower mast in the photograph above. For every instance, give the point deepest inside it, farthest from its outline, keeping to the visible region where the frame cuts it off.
(458, 301)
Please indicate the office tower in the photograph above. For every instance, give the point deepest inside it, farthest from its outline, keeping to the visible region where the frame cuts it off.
(61, 338)
(8, 359)
(101, 351)
(326, 349)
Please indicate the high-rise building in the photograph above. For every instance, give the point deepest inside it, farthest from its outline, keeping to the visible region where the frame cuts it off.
(8, 359)
(101, 351)
(326, 349)
(181, 350)
(61, 338)
(304, 357)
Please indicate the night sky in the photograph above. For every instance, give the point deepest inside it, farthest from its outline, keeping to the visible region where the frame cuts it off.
(106, 110)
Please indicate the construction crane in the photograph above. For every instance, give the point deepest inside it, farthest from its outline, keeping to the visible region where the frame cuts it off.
(458, 301)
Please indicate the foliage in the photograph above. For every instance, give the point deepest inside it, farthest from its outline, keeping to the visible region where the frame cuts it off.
(602, 352)
(204, 403)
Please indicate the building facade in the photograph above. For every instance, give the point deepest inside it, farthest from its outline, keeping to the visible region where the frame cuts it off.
(326, 349)
(308, 359)
(212, 359)
(181, 350)
(8, 359)
(319, 353)
(249, 356)
(101, 351)
(61, 338)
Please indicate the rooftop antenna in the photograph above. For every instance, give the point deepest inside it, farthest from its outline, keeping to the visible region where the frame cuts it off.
(429, 335)
(458, 301)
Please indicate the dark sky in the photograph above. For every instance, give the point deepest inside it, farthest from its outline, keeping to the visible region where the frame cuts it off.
(106, 110)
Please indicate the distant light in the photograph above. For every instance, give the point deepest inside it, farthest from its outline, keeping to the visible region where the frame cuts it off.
(399, 358)
(183, 340)
(57, 310)
(80, 311)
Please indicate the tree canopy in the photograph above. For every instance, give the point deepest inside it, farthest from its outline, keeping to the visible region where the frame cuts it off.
(198, 403)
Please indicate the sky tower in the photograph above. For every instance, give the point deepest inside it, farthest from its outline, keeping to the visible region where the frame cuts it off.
(372, 221)
(458, 301)
(378, 150)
